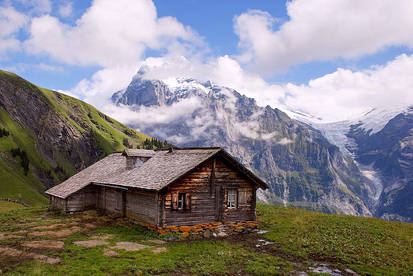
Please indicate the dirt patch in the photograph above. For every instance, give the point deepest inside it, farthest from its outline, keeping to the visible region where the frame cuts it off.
(57, 234)
(55, 226)
(102, 237)
(11, 252)
(90, 226)
(129, 246)
(44, 244)
(48, 227)
(158, 249)
(9, 236)
(90, 243)
(156, 241)
(110, 253)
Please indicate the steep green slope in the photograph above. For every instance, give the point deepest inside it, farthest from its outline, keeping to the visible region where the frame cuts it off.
(47, 136)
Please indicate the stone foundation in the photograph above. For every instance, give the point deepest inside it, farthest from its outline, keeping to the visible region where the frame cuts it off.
(207, 230)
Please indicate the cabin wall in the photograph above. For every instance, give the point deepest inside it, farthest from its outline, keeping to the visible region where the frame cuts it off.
(203, 206)
(57, 203)
(228, 178)
(209, 195)
(82, 200)
(110, 200)
(142, 206)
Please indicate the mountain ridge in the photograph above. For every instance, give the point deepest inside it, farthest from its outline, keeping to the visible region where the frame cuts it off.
(301, 166)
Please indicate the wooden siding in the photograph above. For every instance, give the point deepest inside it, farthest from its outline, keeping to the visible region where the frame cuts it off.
(82, 200)
(207, 186)
(228, 178)
(202, 209)
(57, 203)
(108, 200)
(142, 206)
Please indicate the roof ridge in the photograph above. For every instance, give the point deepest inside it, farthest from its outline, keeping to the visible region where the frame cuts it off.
(193, 148)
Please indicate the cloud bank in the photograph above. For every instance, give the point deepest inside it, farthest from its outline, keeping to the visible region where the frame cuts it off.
(322, 30)
(110, 33)
(114, 36)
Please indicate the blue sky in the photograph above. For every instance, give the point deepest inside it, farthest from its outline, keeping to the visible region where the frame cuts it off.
(278, 46)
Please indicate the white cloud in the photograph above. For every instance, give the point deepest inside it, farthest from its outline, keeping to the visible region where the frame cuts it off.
(104, 83)
(11, 21)
(66, 9)
(110, 33)
(345, 94)
(322, 30)
(341, 95)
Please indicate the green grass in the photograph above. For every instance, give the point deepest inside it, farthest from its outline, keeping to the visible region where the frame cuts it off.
(6, 206)
(366, 245)
(301, 239)
(14, 185)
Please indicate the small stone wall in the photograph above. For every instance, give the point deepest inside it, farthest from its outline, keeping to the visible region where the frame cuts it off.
(208, 230)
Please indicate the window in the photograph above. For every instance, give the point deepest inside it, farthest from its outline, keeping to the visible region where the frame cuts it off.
(232, 198)
(138, 163)
(181, 201)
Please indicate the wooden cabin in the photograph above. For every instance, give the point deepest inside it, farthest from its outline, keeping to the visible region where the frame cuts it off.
(164, 188)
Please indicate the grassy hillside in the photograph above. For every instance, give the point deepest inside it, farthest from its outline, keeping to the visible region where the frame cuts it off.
(297, 241)
(46, 136)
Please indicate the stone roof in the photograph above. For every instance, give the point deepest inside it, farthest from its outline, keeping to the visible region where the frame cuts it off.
(138, 152)
(162, 169)
(114, 164)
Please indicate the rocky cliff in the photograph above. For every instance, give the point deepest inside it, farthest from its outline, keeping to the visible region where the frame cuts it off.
(390, 153)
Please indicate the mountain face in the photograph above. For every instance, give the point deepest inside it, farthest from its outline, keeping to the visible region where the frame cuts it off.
(47, 136)
(381, 143)
(390, 152)
(301, 167)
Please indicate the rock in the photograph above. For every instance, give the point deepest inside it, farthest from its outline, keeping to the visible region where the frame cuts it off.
(90, 243)
(7, 251)
(159, 249)
(349, 271)
(110, 253)
(207, 234)
(44, 244)
(156, 241)
(130, 246)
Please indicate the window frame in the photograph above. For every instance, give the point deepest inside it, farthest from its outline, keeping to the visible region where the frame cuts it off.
(181, 200)
(232, 195)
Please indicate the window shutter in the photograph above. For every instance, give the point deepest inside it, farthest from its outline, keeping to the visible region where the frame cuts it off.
(175, 201)
(188, 201)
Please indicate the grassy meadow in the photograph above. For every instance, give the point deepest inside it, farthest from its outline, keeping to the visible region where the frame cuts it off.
(297, 241)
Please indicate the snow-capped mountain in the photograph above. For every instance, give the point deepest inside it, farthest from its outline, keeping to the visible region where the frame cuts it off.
(381, 143)
(302, 168)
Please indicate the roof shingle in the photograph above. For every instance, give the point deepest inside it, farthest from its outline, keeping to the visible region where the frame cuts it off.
(162, 169)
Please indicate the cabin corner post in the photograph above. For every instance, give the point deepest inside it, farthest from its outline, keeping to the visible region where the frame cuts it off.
(254, 203)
